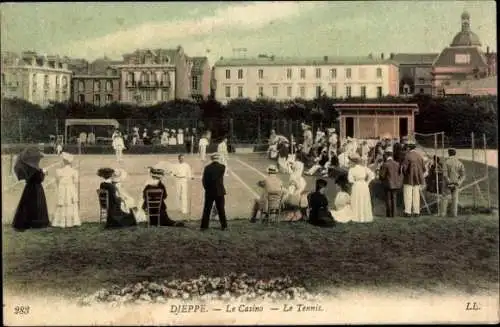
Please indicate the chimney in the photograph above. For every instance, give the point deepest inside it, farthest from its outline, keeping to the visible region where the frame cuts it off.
(325, 58)
(392, 55)
(488, 49)
(382, 56)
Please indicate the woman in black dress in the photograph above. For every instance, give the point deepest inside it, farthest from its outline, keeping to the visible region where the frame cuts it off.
(118, 213)
(155, 183)
(32, 210)
(318, 203)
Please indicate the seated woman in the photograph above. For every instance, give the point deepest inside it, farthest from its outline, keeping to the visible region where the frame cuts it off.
(343, 212)
(318, 204)
(119, 214)
(155, 183)
(295, 198)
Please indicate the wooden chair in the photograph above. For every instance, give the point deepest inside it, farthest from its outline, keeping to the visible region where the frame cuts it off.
(154, 198)
(103, 197)
(274, 207)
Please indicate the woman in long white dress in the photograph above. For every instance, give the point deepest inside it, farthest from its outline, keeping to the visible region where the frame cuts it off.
(295, 197)
(66, 214)
(343, 212)
(360, 177)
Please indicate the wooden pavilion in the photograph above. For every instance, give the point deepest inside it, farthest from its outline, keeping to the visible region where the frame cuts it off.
(374, 120)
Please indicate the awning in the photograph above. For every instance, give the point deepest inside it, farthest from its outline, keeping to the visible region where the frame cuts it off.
(93, 122)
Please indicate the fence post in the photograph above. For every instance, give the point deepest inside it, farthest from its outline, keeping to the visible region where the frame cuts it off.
(258, 129)
(231, 130)
(20, 130)
(487, 173)
(474, 204)
(57, 127)
(436, 167)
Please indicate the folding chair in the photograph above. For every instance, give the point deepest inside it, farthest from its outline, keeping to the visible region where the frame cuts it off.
(154, 198)
(103, 197)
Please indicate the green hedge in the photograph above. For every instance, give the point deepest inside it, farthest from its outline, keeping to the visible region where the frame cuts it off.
(246, 121)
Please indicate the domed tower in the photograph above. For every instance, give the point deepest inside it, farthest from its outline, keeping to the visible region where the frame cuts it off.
(466, 37)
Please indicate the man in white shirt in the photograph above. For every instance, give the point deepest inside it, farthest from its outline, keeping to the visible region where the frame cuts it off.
(202, 145)
(224, 153)
(183, 174)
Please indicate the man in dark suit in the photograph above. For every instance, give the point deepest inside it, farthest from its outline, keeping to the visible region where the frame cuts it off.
(213, 183)
(390, 176)
(413, 170)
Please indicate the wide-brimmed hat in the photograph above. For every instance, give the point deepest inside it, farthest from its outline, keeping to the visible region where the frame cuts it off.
(158, 170)
(331, 130)
(105, 173)
(354, 157)
(67, 157)
(389, 150)
(215, 156)
(272, 169)
(119, 175)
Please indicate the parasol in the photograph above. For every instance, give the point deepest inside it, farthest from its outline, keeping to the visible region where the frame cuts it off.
(27, 163)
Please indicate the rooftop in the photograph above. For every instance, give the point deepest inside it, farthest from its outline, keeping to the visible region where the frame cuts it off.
(415, 58)
(311, 61)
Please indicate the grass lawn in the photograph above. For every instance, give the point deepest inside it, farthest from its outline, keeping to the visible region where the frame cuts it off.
(425, 253)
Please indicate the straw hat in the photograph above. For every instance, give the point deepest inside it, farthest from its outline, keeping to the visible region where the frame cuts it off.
(215, 156)
(119, 175)
(354, 157)
(67, 157)
(157, 170)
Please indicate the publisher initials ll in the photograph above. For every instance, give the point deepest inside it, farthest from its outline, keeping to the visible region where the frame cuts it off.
(472, 306)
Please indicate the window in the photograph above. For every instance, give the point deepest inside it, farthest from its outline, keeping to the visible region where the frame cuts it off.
(3, 79)
(275, 91)
(421, 80)
(289, 91)
(348, 73)
(109, 85)
(302, 91)
(318, 72)
(46, 80)
(97, 86)
(406, 89)
(318, 91)
(462, 59)
(64, 81)
(333, 73)
(57, 81)
(334, 91)
(57, 96)
(261, 73)
(348, 91)
(302, 73)
(421, 91)
(131, 77)
(81, 98)
(363, 91)
(164, 78)
(34, 81)
(153, 77)
(97, 100)
(379, 72)
(228, 74)
(240, 91)
(81, 86)
(154, 95)
(228, 91)
(261, 91)
(289, 73)
(109, 98)
(379, 91)
(362, 73)
(194, 83)
(240, 73)
(164, 95)
(148, 95)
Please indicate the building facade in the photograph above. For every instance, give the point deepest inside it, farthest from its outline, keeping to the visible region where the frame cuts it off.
(100, 85)
(200, 78)
(35, 78)
(415, 72)
(148, 76)
(462, 61)
(307, 78)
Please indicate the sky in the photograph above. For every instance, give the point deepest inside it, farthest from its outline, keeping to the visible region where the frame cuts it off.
(91, 30)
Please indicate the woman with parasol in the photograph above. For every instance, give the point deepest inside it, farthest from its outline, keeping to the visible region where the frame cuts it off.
(32, 210)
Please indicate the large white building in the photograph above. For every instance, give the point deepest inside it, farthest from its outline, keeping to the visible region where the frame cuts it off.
(34, 78)
(289, 78)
